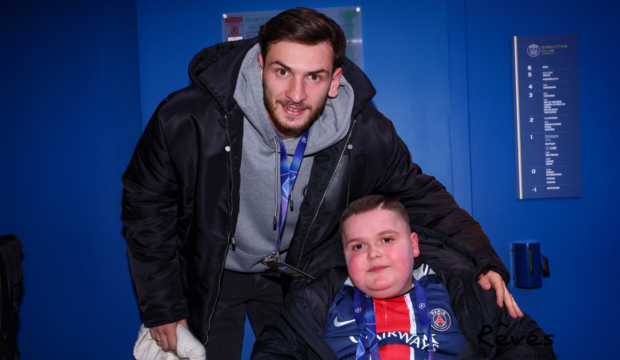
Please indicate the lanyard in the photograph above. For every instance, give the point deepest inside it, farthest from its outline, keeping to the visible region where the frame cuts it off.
(365, 313)
(288, 174)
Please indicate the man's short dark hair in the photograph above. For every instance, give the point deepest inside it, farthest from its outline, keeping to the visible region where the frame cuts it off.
(372, 202)
(303, 26)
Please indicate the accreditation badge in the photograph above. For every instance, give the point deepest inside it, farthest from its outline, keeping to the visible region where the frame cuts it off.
(286, 269)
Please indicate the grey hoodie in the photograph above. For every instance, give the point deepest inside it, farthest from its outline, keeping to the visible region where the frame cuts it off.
(256, 235)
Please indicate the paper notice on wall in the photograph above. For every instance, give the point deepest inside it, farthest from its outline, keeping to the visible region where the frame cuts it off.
(245, 25)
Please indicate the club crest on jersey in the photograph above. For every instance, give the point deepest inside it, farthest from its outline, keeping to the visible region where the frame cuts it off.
(440, 319)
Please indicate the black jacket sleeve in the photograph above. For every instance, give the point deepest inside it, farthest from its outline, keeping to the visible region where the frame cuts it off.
(522, 338)
(503, 337)
(150, 197)
(430, 206)
(279, 341)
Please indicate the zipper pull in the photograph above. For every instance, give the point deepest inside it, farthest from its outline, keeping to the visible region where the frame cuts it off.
(232, 242)
(275, 223)
(291, 204)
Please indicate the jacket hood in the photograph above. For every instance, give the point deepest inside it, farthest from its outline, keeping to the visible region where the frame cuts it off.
(215, 70)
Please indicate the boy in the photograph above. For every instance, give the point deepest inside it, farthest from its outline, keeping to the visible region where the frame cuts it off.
(384, 311)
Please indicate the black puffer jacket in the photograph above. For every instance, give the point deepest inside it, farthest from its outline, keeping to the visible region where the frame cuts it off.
(181, 191)
(491, 332)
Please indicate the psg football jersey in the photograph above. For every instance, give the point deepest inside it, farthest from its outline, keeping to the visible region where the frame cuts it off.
(400, 333)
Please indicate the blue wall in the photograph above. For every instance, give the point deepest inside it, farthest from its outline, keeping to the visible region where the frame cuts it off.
(69, 120)
(578, 235)
(81, 81)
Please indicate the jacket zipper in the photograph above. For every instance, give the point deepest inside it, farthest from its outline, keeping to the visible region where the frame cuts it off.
(325, 193)
(231, 237)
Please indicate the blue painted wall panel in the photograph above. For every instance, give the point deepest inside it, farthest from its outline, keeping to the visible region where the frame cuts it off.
(69, 120)
(459, 105)
(578, 235)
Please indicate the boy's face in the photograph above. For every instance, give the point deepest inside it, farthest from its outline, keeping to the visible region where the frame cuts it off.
(379, 249)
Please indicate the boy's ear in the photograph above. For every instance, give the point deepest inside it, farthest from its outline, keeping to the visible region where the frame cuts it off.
(414, 243)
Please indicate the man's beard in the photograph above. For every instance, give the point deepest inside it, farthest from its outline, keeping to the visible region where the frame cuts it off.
(285, 128)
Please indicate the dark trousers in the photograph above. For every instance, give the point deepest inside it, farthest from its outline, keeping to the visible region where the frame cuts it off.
(259, 295)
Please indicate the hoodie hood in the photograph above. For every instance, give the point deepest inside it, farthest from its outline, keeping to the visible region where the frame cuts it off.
(215, 70)
(328, 129)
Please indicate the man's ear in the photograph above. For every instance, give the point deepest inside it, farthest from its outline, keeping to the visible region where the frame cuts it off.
(260, 65)
(414, 243)
(333, 87)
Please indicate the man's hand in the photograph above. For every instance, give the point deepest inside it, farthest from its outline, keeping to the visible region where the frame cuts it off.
(166, 335)
(491, 279)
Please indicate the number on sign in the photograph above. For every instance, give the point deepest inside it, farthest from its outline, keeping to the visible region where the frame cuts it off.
(533, 171)
(531, 120)
(531, 95)
(531, 137)
(530, 86)
(529, 67)
(529, 74)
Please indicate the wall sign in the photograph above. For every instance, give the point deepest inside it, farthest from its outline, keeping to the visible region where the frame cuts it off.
(546, 116)
(245, 25)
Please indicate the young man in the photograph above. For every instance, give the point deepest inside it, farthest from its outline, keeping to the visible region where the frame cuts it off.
(396, 308)
(203, 200)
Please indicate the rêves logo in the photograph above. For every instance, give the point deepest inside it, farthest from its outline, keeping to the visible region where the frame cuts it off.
(503, 340)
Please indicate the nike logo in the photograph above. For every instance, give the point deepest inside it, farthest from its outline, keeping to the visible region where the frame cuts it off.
(339, 324)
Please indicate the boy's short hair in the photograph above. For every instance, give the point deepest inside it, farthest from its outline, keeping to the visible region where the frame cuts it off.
(372, 202)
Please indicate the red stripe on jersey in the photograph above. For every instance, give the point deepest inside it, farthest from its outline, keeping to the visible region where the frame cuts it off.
(395, 352)
(392, 315)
